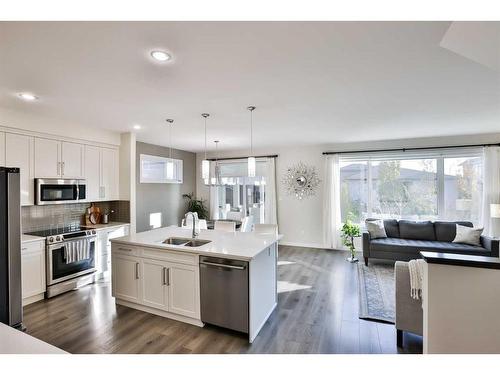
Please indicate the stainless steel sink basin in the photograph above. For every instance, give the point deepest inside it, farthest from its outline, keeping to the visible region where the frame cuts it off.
(179, 241)
(176, 241)
(197, 243)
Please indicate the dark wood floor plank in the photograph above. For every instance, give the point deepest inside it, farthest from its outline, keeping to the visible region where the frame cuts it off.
(317, 313)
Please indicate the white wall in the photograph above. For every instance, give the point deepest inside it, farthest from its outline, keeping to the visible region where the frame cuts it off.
(301, 222)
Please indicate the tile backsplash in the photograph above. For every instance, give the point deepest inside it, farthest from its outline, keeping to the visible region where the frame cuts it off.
(35, 218)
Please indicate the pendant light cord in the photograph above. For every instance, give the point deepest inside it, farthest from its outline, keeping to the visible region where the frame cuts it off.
(251, 109)
(170, 121)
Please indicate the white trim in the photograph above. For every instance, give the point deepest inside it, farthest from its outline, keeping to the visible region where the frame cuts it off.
(37, 297)
(32, 133)
(158, 312)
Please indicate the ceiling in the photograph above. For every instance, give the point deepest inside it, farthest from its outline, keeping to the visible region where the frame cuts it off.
(312, 82)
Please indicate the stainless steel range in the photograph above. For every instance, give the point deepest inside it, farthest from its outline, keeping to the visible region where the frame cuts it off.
(70, 258)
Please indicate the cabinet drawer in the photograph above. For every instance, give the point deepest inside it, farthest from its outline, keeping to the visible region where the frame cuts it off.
(32, 246)
(171, 256)
(124, 249)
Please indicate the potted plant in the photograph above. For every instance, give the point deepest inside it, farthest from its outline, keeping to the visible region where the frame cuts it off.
(196, 205)
(349, 232)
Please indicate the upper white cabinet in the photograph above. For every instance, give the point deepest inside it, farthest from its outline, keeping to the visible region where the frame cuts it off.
(93, 172)
(57, 159)
(19, 153)
(101, 173)
(47, 158)
(2, 149)
(72, 160)
(109, 174)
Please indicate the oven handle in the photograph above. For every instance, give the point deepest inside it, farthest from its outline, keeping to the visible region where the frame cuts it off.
(62, 244)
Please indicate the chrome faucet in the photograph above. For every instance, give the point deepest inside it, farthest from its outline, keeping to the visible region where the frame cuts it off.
(193, 215)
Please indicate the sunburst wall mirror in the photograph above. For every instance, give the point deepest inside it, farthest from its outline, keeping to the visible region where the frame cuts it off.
(301, 181)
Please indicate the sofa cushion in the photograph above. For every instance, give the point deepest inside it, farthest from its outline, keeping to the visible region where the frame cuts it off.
(417, 230)
(375, 228)
(447, 230)
(391, 228)
(415, 246)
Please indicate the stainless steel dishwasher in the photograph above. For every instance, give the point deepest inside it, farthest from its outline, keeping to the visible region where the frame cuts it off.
(224, 293)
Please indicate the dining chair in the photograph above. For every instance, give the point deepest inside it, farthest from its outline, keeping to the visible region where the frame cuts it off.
(200, 224)
(265, 228)
(246, 224)
(225, 226)
(234, 215)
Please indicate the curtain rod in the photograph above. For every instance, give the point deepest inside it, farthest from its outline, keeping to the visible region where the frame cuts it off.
(409, 149)
(243, 157)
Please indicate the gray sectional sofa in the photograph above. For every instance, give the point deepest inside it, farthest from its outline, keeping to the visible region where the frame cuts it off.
(405, 239)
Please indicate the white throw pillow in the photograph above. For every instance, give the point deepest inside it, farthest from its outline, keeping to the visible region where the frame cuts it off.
(467, 235)
(376, 229)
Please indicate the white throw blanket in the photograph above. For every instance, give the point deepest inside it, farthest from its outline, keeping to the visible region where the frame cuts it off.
(416, 268)
(76, 251)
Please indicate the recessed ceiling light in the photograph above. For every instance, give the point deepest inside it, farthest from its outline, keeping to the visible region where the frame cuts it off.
(27, 96)
(160, 56)
(137, 127)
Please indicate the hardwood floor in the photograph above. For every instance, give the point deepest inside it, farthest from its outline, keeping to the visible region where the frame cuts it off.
(317, 313)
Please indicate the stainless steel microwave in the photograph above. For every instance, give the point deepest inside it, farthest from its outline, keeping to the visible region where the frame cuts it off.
(58, 191)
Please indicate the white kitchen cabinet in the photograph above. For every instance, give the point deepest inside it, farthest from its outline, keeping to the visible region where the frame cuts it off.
(47, 158)
(154, 284)
(126, 278)
(2, 149)
(72, 160)
(93, 172)
(109, 174)
(165, 287)
(183, 290)
(103, 246)
(19, 153)
(33, 271)
(58, 159)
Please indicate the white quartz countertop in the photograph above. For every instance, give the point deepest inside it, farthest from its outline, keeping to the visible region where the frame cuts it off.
(25, 238)
(238, 245)
(13, 341)
(111, 224)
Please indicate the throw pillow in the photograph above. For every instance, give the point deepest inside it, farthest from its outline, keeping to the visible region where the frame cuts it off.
(376, 229)
(470, 236)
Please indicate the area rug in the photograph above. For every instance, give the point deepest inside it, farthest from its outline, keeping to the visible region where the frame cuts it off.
(376, 291)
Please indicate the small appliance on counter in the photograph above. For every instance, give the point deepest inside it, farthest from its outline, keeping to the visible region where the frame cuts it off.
(11, 307)
(105, 217)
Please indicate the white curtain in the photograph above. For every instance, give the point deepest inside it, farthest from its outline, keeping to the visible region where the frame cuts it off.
(491, 189)
(331, 206)
(214, 203)
(270, 213)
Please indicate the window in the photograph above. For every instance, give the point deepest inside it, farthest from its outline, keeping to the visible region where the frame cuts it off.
(413, 186)
(240, 194)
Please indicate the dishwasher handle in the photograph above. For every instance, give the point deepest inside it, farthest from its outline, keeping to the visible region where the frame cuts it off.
(213, 264)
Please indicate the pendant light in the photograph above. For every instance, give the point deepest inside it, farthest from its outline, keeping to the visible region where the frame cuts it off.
(251, 158)
(205, 164)
(170, 161)
(216, 180)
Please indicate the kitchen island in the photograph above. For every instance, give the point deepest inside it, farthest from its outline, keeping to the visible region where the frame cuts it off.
(222, 278)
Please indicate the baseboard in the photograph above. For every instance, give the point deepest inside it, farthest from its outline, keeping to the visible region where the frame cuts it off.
(33, 299)
(304, 244)
(159, 312)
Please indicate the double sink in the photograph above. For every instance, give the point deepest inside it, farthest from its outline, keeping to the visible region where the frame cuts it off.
(188, 242)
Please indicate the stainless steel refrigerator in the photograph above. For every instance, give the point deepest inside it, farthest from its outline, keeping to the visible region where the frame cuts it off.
(11, 309)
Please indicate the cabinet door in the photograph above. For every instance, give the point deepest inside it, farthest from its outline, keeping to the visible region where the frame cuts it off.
(2, 149)
(154, 284)
(184, 290)
(126, 275)
(33, 272)
(92, 162)
(19, 153)
(109, 174)
(72, 160)
(47, 158)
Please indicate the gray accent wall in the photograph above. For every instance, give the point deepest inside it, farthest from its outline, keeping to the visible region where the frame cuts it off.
(164, 198)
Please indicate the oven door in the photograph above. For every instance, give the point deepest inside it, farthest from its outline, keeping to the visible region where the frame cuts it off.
(57, 268)
(58, 191)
